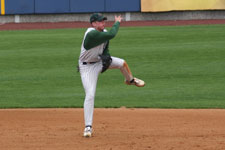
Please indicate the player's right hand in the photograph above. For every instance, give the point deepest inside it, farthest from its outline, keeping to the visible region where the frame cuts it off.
(118, 18)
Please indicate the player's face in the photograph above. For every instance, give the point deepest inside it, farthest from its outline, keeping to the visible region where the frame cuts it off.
(99, 25)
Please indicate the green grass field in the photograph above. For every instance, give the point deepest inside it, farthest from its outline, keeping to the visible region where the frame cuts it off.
(183, 67)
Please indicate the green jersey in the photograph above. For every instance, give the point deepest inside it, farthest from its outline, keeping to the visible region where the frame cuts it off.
(96, 43)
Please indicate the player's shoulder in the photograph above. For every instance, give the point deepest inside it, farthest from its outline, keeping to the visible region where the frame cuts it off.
(92, 32)
(90, 29)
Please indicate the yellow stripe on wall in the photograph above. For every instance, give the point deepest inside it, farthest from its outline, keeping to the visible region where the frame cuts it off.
(2, 7)
(170, 5)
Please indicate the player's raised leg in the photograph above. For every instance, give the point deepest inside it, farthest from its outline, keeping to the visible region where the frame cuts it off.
(118, 63)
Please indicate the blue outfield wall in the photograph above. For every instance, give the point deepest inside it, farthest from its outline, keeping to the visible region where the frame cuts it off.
(52, 6)
(83, 6)
(19, 6)
(122, 5)
(70, 6)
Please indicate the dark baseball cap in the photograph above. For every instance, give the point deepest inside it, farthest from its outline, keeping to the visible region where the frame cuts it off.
(97, 17)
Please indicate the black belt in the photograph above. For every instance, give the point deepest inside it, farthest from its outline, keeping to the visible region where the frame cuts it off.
(85, 63)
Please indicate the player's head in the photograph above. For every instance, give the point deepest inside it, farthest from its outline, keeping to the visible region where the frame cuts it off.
(97, 20)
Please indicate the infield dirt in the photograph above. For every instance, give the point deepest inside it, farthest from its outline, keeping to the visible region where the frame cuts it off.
(114, 129)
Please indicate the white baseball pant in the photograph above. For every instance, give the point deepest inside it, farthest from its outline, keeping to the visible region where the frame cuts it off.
(89, 77)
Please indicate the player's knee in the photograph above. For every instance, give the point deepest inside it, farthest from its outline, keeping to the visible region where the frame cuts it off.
(122, 63)
(89, 98)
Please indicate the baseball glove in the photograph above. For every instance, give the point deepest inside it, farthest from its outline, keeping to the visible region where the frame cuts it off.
(106, 61)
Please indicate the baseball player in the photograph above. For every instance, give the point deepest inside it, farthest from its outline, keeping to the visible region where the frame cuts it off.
(95, 59)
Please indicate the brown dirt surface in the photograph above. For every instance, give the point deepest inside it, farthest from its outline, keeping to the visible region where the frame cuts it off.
(59, 25)
(114, 129)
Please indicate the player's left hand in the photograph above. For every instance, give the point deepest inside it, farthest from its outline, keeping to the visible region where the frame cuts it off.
(106, 61)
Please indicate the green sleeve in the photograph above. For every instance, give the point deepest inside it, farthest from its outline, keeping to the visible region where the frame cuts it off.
(95, 38)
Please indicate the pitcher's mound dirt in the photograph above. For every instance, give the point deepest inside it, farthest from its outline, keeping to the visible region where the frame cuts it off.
(114, 129)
